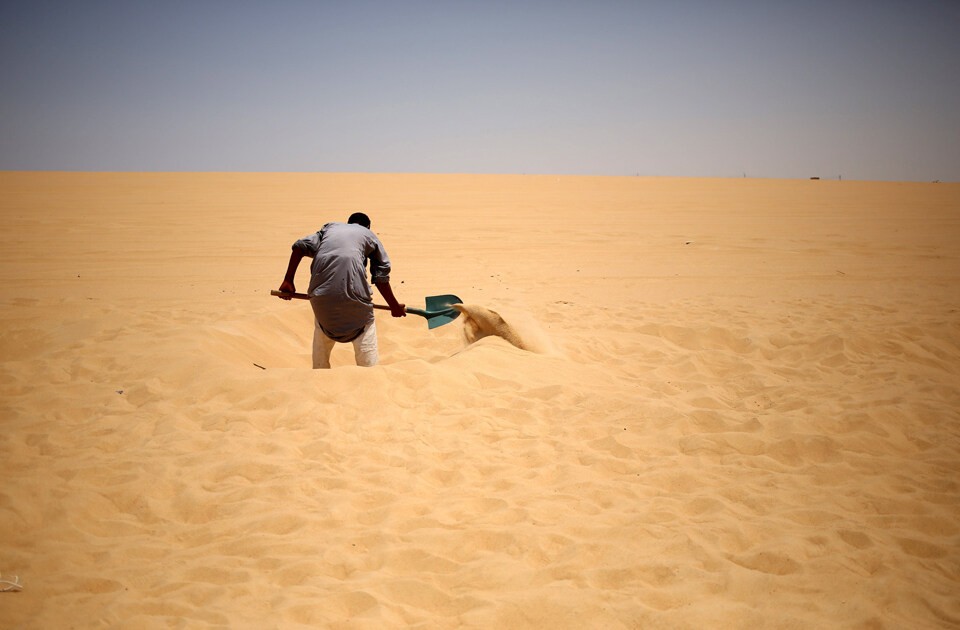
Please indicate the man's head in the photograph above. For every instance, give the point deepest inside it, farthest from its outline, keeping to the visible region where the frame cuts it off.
(360, 219)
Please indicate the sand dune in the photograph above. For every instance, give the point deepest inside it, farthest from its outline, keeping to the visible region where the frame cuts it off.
(668, 403)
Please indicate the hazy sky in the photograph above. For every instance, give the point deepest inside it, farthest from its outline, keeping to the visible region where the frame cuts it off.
(866, 89)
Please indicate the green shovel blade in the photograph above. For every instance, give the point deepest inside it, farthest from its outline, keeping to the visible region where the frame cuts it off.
(439, 310)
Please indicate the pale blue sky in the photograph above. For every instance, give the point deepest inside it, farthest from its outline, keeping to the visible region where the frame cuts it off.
(863, 89)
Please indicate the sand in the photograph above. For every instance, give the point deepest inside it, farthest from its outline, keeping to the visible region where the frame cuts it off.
(704, 404)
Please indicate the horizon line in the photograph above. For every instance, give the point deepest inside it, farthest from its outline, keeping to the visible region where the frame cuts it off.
(833, 178)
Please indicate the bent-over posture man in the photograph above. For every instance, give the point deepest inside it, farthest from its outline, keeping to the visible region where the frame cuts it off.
(339, 293)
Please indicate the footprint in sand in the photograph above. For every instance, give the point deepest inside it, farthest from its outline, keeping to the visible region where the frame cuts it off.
(768, 562)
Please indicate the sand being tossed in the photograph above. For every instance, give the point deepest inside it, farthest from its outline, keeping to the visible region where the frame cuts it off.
(479, 322)
(752, 421)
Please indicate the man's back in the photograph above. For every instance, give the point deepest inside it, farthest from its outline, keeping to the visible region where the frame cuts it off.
(339, 264)
(341, 297)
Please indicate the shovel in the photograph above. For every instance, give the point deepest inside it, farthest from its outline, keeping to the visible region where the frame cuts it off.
(439, 309)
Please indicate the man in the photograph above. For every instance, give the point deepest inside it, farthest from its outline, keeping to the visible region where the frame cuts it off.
(339, 293)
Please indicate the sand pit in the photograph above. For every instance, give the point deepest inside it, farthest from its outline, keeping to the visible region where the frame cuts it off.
(752, 420)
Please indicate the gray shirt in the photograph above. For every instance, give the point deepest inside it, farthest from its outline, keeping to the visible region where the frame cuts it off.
(340, 295)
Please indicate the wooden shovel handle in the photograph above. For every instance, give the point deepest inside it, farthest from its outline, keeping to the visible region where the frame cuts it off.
(305, 296)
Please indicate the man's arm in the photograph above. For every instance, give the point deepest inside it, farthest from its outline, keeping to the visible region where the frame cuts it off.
(287, 286)
(396, 308)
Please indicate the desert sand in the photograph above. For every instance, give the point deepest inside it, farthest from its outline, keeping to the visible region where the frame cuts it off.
(708, 404)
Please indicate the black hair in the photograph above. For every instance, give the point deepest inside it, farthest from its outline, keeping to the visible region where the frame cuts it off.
(360, 219)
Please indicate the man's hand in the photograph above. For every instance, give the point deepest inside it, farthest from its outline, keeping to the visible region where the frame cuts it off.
(296, 255)
(396, 308)
(287, 287)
